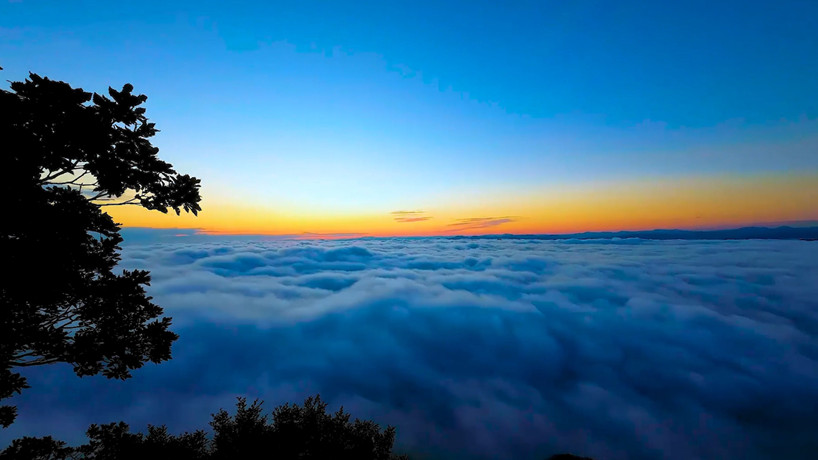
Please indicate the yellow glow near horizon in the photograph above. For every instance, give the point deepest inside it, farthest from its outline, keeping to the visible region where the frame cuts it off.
(693, 202)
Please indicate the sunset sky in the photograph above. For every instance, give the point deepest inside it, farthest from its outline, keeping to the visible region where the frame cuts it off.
(438, 118)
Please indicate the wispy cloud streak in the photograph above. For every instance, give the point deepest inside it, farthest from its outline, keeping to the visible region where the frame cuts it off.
(410, 216)
(473, 223)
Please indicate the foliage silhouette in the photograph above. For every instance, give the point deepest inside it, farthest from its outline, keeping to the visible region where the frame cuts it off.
(290, 432)
(306, 431)
(71, 154)
(45, 448)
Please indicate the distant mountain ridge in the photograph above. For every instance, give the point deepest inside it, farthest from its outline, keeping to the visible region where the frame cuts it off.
(743, 233)
(136, 235)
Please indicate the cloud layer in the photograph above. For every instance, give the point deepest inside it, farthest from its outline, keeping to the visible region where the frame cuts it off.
(486, 349)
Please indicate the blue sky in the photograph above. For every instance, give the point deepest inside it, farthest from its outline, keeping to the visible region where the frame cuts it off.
(682, 63)
(371, 107)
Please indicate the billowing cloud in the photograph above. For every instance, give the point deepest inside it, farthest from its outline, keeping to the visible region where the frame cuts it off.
(496, 348)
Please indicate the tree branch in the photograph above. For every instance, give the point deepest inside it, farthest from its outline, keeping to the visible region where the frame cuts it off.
(44, 180)
(70, 181)
(25, 355)
(69, 317)
(97, 196)
(35, 362)
(134, 200)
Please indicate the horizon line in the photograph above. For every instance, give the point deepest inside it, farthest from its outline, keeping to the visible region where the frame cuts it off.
(799, 225)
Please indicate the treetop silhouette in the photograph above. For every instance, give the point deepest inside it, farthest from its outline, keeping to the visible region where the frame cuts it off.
(290, 432)
(71, 154)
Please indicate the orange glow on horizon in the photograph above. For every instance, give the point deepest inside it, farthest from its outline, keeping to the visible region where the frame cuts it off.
(684, 203)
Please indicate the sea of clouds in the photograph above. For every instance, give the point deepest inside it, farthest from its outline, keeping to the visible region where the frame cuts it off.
(479, 348)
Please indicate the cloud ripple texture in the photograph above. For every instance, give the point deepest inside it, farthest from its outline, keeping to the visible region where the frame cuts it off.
(507, 349)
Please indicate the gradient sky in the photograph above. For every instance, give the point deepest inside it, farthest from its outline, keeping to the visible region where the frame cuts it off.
(414, 118)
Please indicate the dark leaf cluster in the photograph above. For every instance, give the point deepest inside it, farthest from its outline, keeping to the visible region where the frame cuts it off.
(71, 153)
(54, 134)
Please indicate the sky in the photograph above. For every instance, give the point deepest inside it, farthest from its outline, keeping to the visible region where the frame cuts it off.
(439, 118)
(477, 349)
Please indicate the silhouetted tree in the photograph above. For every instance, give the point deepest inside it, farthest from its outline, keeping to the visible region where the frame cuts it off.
(292, 432)
(70, 154)
(304, 432)
(114, 441)
(28, 448)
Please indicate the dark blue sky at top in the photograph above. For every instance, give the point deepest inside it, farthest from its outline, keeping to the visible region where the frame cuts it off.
(684, 63)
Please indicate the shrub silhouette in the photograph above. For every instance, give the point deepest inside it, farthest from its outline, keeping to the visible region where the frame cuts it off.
(290, 432)
(306, 431)
(45, 448)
